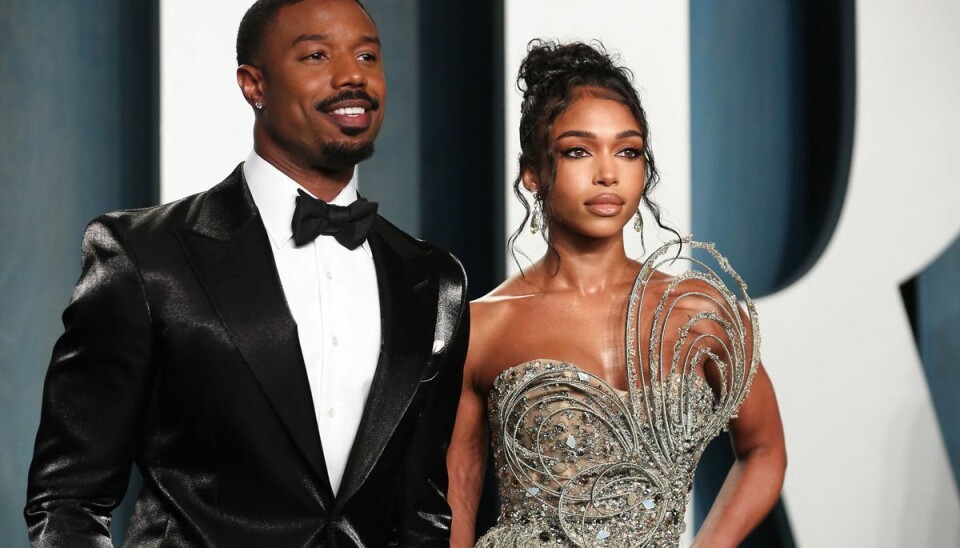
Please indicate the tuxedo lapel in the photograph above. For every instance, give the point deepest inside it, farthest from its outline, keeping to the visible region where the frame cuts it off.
(230, 253)
(408, 307)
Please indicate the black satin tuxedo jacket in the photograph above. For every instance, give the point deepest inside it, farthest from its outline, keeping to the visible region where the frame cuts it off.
(180, 354)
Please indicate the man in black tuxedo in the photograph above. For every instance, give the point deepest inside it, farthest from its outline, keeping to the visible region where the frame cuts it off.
(282, 364)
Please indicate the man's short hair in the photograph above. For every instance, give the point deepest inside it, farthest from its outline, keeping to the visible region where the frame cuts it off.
(254, 25)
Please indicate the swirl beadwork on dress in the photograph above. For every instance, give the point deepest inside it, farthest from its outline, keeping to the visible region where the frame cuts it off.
(581, 463)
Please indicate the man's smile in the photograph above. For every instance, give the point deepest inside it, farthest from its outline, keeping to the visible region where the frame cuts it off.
(351, 110)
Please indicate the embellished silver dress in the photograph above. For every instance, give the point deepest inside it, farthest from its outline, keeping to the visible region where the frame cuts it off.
(581, 463)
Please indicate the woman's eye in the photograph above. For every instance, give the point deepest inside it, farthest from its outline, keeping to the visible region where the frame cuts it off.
(575, 152)
(631, 153)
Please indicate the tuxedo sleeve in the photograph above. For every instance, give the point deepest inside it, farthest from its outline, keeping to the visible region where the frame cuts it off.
(426, 514)
(94, 398)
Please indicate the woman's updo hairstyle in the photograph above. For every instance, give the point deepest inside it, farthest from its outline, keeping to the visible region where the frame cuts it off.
(551, 78)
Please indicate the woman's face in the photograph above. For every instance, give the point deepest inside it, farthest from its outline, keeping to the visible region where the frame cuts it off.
(600, 168)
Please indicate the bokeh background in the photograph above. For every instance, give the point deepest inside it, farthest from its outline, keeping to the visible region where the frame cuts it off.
(814, 140)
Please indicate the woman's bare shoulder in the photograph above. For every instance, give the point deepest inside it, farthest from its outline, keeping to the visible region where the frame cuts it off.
(505, 301)
(495, 316)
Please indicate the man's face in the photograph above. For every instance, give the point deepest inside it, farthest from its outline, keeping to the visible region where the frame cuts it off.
(323, 85)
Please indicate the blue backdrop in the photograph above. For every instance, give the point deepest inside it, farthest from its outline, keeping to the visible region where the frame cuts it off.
(78, 137)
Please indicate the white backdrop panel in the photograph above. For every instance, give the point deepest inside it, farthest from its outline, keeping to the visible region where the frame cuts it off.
(206, 127)
(868, 466)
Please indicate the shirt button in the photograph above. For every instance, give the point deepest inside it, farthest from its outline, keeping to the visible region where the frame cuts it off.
(335, 340)
(331, 412)
(329, 275)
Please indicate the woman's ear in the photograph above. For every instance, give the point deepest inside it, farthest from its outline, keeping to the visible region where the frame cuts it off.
(530, 181)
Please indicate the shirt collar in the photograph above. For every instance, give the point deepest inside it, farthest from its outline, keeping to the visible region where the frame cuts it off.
(275, 195)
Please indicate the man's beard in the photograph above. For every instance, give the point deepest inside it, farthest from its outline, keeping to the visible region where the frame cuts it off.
(340, 155)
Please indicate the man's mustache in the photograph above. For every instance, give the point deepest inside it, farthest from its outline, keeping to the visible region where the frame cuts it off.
(346, 96)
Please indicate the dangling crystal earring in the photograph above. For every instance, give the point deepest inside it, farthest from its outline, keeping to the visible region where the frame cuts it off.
(638, 222)
(536, 218)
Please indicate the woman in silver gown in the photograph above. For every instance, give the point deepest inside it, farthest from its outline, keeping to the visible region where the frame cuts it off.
(603, 378)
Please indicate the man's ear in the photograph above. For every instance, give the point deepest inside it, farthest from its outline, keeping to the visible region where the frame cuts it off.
(530, 180)
(250, 80)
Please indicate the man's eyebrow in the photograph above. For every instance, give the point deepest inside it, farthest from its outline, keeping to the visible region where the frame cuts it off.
(311, 38)
(365, 39)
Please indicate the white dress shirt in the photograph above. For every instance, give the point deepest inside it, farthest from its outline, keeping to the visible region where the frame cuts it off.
(332, 294)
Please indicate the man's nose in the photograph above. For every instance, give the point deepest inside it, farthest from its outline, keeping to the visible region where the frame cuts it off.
(349, 73)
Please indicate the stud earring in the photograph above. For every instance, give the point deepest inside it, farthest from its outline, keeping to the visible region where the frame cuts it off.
(638, 222)
(258, 105)
(536, 218)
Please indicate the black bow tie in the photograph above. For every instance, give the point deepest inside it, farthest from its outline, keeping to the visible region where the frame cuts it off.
(349, 225)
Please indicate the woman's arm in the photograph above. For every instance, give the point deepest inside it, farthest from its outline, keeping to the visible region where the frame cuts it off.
(467, 455)
(753, 483)
(466, 461)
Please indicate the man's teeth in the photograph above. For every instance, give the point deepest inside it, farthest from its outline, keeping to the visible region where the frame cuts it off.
(350, 111)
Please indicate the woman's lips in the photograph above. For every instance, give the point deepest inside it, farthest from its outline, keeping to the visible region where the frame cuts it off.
(605, 205)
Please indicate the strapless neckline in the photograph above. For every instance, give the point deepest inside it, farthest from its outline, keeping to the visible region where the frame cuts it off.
(502, 375)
